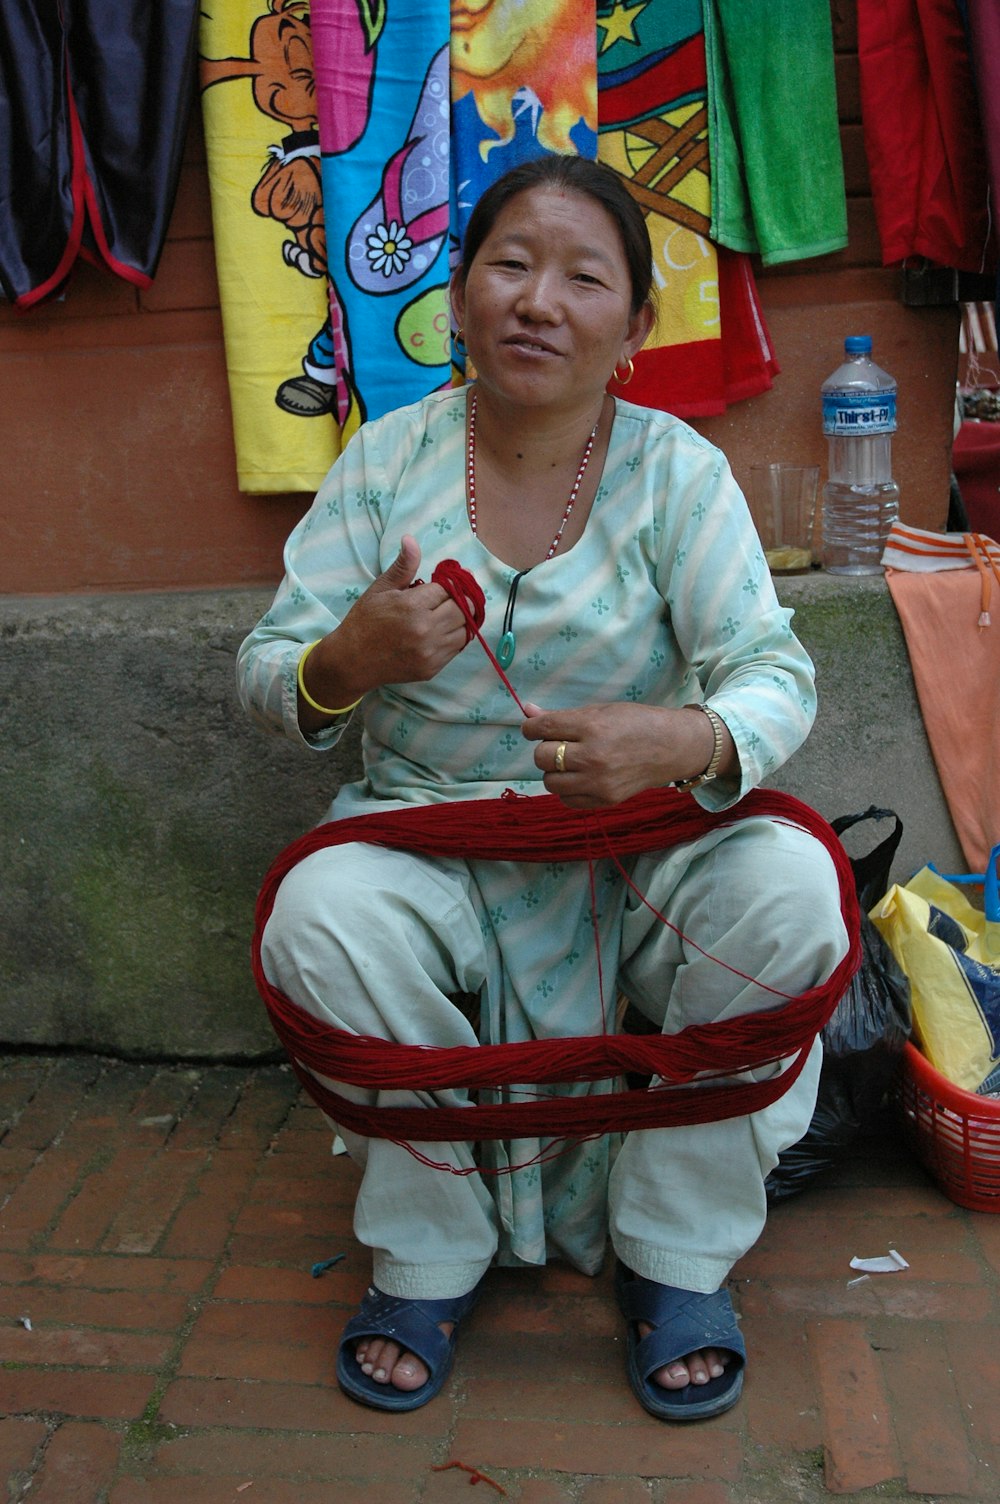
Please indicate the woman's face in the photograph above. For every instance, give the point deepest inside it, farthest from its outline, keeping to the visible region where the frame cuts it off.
(546, 306)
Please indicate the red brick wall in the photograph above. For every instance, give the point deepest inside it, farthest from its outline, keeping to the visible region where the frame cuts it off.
(115, 429)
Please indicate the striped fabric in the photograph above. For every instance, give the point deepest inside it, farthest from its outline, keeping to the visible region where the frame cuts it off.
(914, 549)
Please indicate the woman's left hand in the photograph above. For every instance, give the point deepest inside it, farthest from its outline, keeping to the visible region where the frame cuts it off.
(603, 754)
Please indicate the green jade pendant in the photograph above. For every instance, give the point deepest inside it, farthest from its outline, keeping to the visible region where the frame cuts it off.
(507, 646)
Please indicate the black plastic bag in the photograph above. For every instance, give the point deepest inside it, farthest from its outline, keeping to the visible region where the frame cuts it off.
(864, 1038)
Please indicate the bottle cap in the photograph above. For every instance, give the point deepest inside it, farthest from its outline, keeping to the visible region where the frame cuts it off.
(858, 344)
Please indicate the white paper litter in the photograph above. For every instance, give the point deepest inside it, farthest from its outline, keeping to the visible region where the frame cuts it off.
(889, 1263)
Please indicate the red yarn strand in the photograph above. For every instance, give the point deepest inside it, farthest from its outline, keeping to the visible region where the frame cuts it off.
(542, 829)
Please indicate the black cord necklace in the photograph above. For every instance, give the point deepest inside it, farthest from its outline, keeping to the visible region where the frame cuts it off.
(507, 646)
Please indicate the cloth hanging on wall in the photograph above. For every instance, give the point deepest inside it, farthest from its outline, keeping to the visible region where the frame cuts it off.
(710, 345)
(946, 588)
(262, 144)
(382, 101)
(523, 85)
(983, 26)
(923, 134)
(774, 132)
(94, 104)
(345, 103)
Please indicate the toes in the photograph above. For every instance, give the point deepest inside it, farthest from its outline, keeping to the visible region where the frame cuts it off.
(705, 1365)
(377, 1358)
(673, 1376)
(409, 1373)
(696, 1368)
(387, 1363)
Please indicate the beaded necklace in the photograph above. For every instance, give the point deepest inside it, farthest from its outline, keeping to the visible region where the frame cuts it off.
(507, 646)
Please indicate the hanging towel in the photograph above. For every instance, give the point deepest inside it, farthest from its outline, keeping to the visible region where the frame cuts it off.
(383, 106)
(262, 146)
(923, 134)
(946, 589)
(710, 344)
(984, 30)
(94, 103)
(774, 134)
(523, 85)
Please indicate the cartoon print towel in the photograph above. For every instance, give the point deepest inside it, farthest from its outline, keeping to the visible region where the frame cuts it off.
(523, 85)
(262, 145)
(774, 134)
(382, 102)
(710, 345)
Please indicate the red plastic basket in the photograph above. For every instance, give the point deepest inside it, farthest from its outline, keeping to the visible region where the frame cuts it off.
(954, 1133)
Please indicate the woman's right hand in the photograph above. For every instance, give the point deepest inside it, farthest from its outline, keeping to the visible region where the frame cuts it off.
(398, 632)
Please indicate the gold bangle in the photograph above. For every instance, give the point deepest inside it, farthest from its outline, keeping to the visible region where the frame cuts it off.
(718, 726)
(323, 709)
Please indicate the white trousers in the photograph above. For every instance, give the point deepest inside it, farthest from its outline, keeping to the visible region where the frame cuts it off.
(376, 941)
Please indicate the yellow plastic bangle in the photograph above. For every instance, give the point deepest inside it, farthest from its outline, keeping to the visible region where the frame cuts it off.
(323, 709)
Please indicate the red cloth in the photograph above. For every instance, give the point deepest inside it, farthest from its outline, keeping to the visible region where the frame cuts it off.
(700, 379)
(976, 463)
(923, 134)
(984, 26)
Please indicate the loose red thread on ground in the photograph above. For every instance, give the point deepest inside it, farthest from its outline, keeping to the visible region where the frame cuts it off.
(476, 1475)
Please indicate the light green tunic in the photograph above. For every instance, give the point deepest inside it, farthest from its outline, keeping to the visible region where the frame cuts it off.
(666, 599)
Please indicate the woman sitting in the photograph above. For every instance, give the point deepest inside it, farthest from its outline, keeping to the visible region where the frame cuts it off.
(628, 599)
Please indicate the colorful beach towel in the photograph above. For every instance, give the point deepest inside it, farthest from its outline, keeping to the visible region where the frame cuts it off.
(347, 143)
(262, 145)
(523, 85)
(382, 99)
(774, 132)
(710, 345)
(946, 589)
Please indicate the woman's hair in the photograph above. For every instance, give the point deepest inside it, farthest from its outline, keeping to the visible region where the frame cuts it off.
(580, 175)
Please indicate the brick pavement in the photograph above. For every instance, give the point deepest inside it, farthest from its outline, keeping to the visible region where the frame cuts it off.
(163, 1341)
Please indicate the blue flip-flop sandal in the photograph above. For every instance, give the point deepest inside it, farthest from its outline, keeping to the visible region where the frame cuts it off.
(683, 1322)
(413, 1324)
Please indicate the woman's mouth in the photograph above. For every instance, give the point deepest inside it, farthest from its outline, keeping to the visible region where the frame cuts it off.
(529, 345)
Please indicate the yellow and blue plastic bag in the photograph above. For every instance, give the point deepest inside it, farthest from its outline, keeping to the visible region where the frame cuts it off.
(950, 950)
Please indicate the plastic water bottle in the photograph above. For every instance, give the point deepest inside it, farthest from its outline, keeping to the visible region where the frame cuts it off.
(860, 498)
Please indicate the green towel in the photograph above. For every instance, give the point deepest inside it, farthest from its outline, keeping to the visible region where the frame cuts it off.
(774, 134)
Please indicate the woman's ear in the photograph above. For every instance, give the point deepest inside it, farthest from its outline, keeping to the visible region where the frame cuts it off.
(456, 289)
(639, 328)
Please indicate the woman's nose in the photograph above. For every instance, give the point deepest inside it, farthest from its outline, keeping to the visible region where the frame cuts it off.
(538, 300)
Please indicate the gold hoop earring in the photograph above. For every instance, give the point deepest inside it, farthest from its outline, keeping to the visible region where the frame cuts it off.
(460, 336)
(624, 380)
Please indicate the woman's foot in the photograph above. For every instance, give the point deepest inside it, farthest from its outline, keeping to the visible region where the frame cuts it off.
(388, 1363)
(396, 1353)
(685, 1353)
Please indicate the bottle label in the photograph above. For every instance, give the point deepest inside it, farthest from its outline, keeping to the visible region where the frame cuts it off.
(859, 412)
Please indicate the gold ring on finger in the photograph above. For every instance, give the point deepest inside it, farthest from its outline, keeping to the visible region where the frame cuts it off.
(561, 758)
